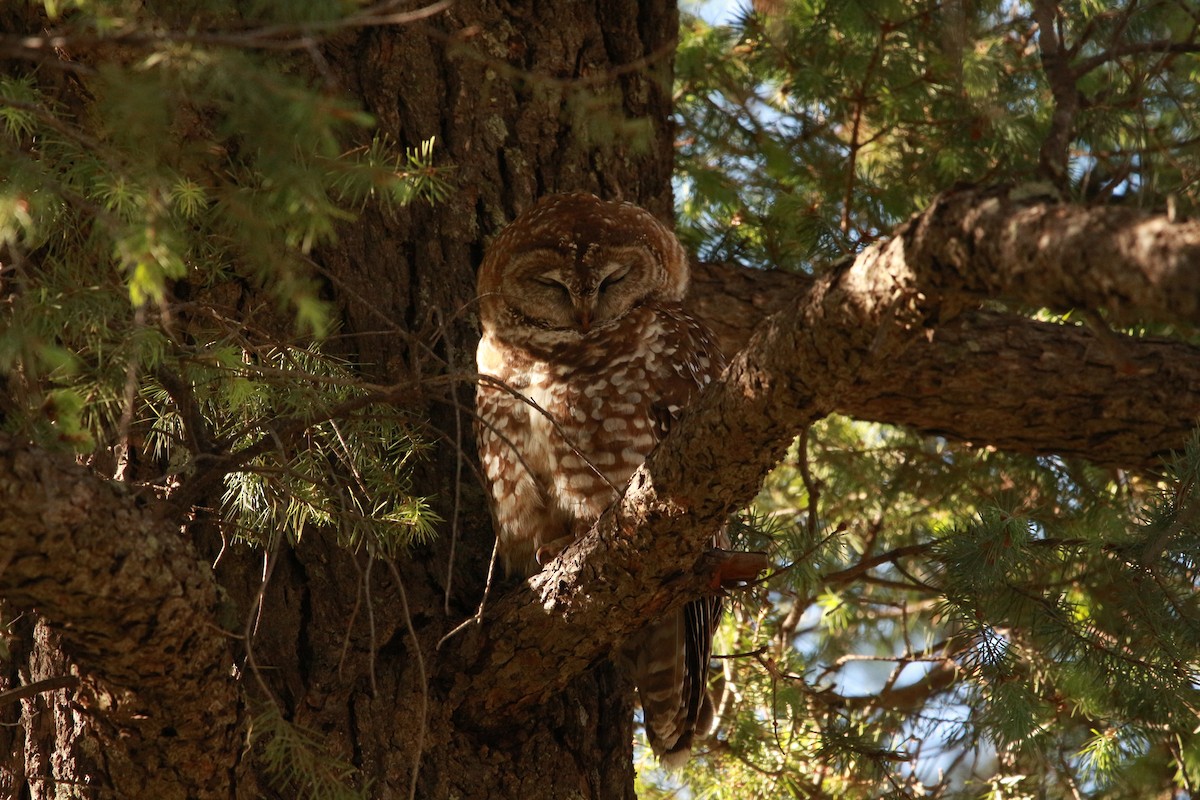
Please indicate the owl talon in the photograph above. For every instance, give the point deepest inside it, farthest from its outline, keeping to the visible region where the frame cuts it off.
(734, 569)
(549, 551)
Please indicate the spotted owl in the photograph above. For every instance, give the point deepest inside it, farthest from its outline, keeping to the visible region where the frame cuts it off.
(586, 357)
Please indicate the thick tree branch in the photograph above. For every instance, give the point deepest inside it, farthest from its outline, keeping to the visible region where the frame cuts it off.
(991, 243)
(1000, 244)
(1038, 388)
(137, 611)
(1068, 390)
(865, 338)
(1064, 389)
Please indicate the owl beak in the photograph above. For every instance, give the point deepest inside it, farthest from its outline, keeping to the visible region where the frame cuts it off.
(583, 314)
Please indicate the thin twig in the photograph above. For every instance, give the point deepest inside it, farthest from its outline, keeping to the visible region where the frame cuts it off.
(891, 556)
(758, 651)
(493, 381)
(373, 308)
(458, 462)
(286, 36)
(370, 621)
(811, 486)
(1158, 46)
(420, 659)
(358, 596)
(38, 687)
(487, 588)
(860, 101)
(252, 620)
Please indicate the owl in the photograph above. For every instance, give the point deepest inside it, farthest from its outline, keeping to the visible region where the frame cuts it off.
(586, 358)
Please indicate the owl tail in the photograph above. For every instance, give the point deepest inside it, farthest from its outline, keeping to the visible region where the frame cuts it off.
(669, 663)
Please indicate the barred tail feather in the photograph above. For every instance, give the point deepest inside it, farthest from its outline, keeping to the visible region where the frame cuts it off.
(669, 659)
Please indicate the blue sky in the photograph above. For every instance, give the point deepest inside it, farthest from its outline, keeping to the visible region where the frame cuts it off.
(714, 11)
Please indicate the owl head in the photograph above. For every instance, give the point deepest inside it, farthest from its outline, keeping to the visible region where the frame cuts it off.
(574, 264)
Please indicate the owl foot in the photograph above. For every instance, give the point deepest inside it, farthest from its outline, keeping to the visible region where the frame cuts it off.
(549, 551)
(731, 569)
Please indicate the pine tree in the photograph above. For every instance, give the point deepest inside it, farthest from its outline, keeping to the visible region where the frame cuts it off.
(243, 547)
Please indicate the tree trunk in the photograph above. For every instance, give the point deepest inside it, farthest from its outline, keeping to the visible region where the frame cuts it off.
(519, 104)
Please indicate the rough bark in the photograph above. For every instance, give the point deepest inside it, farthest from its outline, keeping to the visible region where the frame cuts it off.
(1070, 389)
(1004, 244)
(131, 602)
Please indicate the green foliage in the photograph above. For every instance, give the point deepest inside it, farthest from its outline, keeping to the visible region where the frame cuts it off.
(813, 130)
(161, 310)
(140, 205)
(347, 473)
(975, 625)
(166, 177)
(189, 161)
(298, 761)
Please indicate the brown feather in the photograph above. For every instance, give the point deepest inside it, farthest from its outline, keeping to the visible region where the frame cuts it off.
(590, 358)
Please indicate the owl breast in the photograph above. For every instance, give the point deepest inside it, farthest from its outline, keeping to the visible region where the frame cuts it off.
(600, 405)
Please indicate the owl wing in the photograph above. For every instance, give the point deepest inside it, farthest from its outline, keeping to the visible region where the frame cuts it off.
(670, 657)
(515, 466)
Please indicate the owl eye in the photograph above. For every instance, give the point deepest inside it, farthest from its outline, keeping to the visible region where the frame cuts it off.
(614, 278)
(553, 283)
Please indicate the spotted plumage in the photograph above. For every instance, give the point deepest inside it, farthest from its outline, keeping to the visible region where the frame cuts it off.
(586, 357)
